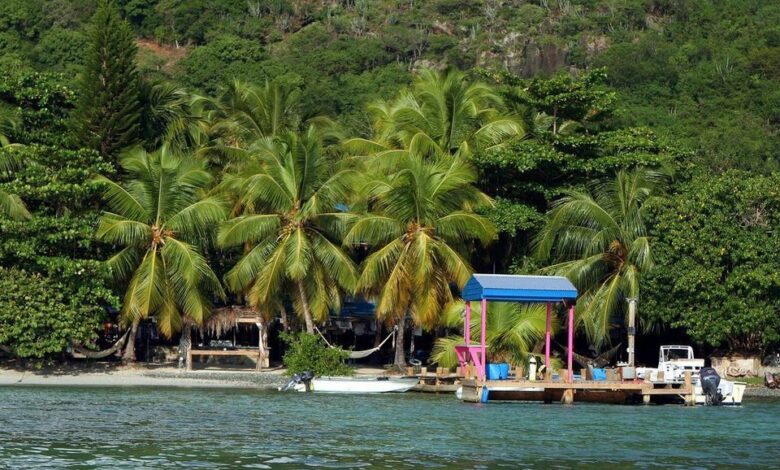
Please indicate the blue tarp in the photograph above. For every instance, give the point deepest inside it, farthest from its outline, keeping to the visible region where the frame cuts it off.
(516, 288)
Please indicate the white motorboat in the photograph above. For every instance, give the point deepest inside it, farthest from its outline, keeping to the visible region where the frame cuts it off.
(675, 360)
(352, 385)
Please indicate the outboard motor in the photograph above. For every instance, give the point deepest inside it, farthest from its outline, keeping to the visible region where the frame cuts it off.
(710, 380)
(304, 378)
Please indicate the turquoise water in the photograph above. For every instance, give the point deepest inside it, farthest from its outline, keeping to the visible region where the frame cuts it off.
(51, 427)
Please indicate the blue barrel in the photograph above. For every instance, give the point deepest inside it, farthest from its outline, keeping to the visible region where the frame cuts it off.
(485, 394)
(504, 367)
(494, 371)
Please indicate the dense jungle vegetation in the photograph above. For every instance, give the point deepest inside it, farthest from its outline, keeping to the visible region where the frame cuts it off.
(162, 157)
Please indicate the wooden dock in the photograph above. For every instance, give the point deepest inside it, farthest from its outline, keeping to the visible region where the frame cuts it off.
(549, 391)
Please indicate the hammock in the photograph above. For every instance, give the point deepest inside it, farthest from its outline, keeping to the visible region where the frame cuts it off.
(359, 354)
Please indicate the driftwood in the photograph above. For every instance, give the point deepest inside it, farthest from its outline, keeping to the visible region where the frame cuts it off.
(89, 354)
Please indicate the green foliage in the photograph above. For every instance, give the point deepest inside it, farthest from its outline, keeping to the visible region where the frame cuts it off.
(422, 217)
(61, 50)
(718, 261)
(42, 102)
(443, 114)
(287, 198)
(56, 248)
(225, 58)
(598, 239)
(570, 144)
(109, 108)
(38, 317)
(690, 82)
(161, 216)
(307, 352)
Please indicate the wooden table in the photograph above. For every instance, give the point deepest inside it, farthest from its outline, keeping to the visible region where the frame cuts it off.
(252, 353)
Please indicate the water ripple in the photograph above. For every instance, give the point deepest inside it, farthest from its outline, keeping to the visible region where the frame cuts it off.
(143, 428)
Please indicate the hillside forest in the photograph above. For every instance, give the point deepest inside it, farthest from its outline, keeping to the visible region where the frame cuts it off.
(162, 159)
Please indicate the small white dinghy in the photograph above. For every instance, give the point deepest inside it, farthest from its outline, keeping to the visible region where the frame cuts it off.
(353, 385)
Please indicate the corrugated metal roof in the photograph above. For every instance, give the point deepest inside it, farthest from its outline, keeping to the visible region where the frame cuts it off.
(517, 288)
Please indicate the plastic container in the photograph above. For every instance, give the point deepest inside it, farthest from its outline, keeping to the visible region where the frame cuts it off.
(485, 395)
(493, 371)
(599, 374)
(504, 369)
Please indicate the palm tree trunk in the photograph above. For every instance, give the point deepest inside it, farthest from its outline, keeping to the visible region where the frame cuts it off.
(185, 343)
(378, 334)
(306, 309)
(283, 318)
(262, 344)
(129, 354)
(400, 353)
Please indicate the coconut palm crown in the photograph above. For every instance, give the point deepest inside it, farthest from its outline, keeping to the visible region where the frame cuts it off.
(598, 240)
(160, 216)
(442, 114)
(290, 227)
(420, 220)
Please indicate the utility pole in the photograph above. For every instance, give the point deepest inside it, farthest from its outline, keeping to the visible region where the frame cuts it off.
(631, 330)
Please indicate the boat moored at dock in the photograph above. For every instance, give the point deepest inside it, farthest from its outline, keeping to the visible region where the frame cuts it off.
(306, 382)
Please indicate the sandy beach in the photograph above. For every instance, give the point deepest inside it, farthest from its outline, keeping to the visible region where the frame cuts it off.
(141, 376)
(110, 375)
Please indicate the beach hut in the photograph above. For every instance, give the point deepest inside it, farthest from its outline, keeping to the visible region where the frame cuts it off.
(514, 288)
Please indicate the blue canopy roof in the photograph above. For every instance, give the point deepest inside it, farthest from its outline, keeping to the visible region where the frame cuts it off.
(514, 288)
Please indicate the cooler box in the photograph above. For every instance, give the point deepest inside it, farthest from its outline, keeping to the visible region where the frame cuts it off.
(493, 371)
(504, 368)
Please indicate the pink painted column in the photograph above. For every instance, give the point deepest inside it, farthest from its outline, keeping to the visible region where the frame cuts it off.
(571, 343)
(482, 341)
(547, 337)
(467, 325)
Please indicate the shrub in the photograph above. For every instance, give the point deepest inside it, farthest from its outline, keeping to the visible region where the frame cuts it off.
(309, 352)
(37, 318)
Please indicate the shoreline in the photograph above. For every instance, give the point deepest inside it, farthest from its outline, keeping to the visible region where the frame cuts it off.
(156, 376)
(144, 377)
(171, 376)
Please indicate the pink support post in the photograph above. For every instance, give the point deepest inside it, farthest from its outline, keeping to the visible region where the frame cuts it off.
(571, 343)
(467, 325)
(482, 342)
(547, 338)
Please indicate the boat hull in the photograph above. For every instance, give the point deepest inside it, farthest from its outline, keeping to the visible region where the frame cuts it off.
(732, 393)
(359, 385)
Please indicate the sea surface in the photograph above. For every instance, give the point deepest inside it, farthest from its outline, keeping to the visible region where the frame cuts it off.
(133, 427)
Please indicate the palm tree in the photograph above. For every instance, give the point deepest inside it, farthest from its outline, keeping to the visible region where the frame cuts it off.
(512, 331)
(249, 112)
(442, 114)
(8, 122)
(169, 117)
(10, 161)
(598, 240)
(11, 205)
(421, 218)
(290, 227)
(160, 216)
